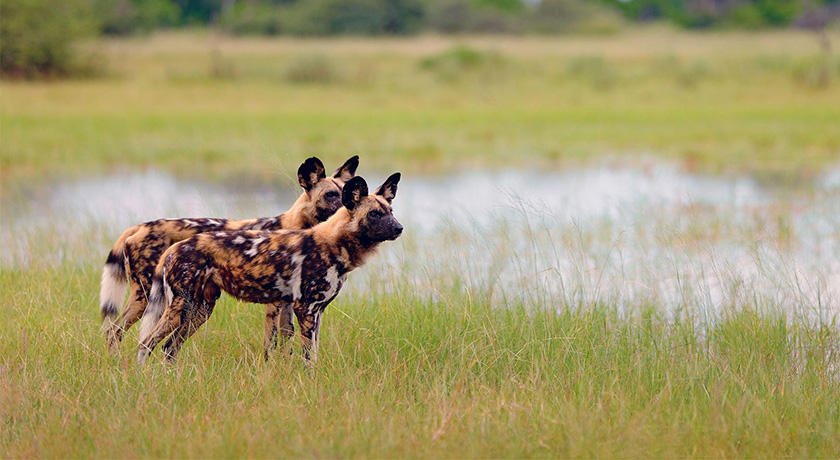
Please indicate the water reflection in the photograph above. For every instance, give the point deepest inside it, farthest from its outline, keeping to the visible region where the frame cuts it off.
(629, 236)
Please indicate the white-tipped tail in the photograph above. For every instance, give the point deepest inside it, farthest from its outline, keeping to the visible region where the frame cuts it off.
(115, 278)
(112, 290)
(157, 304)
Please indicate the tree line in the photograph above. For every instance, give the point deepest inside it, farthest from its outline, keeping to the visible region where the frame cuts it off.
(36, 35)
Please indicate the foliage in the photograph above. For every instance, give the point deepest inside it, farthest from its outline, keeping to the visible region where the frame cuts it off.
(254, 19)
(37, 37)
(199, 11)
(326, 17)
(723, 13)
(461, 61)
(460, 16)
(126, 17)
(557, 16)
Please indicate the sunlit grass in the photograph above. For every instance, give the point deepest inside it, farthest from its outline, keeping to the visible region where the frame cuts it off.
(404, 375)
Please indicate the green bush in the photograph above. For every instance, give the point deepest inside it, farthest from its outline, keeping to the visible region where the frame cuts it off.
(37, 37)
(351, 17)
(553, 16)
(729, 13)
(461, 60)
(127, 17)
(254, 19)
(312, 68)
(462, 16)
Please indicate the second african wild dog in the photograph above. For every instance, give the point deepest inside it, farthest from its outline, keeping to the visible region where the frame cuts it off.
(137, 252)
(304, 269)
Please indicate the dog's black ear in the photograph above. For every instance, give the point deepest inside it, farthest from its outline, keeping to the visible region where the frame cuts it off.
(354, 190)
(388, 190)
(347, 171)
(310, 172)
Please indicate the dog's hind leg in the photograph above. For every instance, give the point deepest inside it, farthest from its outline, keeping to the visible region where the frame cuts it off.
(195, 316)
(132, 312)
(169, 322)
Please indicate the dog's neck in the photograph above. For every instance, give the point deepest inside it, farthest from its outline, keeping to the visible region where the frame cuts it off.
(340, 234)
(301, 215)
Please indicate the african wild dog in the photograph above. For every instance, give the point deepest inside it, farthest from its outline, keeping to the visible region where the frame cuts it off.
(137, 252)
(304, 269)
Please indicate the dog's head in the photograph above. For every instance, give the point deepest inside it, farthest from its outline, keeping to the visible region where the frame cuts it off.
(324, 192)
(373, 213)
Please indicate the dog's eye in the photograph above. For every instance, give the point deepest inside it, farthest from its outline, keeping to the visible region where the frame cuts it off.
(375, 214)
(332, 194)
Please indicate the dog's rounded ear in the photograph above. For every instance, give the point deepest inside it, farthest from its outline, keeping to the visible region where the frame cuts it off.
(354, 190)
(347, 171)
(310, 172)
(388, 190)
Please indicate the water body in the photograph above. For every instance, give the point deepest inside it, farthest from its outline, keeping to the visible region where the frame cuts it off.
(646, 234)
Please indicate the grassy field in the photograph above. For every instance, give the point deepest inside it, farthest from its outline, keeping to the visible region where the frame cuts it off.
(512, 339)
(209, 106)
(405, 375)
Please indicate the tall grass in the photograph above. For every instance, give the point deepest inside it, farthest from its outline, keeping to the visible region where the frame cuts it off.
(404, 375)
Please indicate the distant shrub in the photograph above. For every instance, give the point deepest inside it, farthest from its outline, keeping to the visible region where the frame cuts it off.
(716, 13)
(127, 17)
(312, 68)
(351, 17)
(449, 16)
(254, 19)
(558, 16)
(221, 68)
(462, 16)
(460, 60)
(595, 70)
(37, 37)
(816, 72)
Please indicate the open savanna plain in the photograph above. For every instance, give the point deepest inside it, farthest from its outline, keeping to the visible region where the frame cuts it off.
(694, 329)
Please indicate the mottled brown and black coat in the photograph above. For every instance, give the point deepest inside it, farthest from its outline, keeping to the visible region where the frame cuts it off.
(302, 270)
(138, 251)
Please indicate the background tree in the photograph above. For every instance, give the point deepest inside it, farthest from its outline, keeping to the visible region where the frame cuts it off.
(37, 37)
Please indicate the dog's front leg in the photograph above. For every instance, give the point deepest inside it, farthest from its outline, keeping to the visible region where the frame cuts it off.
(270, 334)
(310, 328)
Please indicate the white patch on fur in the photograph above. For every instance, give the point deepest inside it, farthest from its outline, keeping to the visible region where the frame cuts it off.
(297, 259)
(190, 223)
(239, 239)
(169, 295)
(220, 234)
(316, 333)
(214, 222)
(291, 286)
(112, 288)
(255, 246)
(335, 282)
(154, 310)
